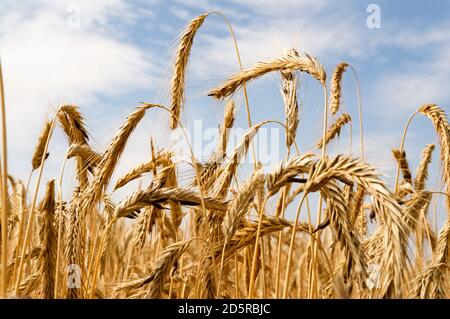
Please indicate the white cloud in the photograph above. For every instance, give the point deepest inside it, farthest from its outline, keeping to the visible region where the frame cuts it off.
(180, 13)
(413, 38)
(46, 63)
(414, 83)
(258, 7)
(271, 7)
(405, 92)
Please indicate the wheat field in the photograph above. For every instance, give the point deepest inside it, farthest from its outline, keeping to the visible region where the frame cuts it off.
(216, 237)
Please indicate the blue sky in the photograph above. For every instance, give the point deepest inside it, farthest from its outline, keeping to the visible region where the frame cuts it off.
(107, 56)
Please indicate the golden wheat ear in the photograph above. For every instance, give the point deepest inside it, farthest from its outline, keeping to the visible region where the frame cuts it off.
(47, 258)
(227, 124)
(40, 146)
(400, 156)
(110, 158)
(289, 92)
(440, 122)
(289, 62)
(422, 169)
(336, 87)
(179, 72)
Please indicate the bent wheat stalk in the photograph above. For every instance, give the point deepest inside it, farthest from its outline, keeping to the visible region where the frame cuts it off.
(442, 127)
(289, 62)
(139, 170)
(156, 197)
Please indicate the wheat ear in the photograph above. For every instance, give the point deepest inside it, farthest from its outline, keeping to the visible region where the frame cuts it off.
(90, 158)
(335, 129)
(289, 93)
(290, 62)
(336, 88)
(400, 156)
(224, 179)
(386, 207)
(139, 170)
(40, 146)
(238, 207)
(111, 156)
(430, 283)
(75, 241)
(179, 72)
(227, 124)
(156, 197)
(72, 122)
(422, 169)
(47, 257)
(162, 268)
(287, 170)
(440, 122)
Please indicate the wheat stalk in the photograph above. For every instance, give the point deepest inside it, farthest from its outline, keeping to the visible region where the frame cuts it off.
(440, 122)
(156, 197)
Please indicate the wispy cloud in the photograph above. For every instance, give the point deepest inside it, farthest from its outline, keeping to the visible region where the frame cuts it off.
(413, 82)
(48, 60)
(280, 7)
